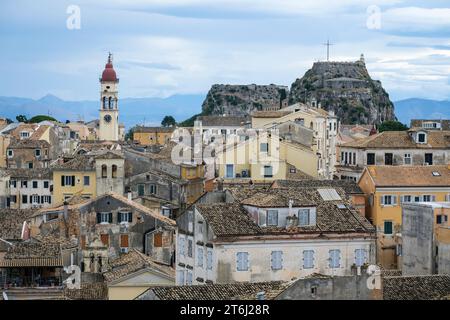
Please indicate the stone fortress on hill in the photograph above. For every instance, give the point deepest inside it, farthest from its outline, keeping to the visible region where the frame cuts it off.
(343, 87)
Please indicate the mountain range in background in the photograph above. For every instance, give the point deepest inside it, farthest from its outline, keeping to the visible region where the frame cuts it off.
(150, 111)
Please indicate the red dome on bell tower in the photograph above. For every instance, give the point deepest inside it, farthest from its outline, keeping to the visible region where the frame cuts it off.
(109, 74)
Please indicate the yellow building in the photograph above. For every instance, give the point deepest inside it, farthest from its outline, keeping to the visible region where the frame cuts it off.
(75, 177)
(153, 135)
(134, 273)
(387, 188)
(265, 158)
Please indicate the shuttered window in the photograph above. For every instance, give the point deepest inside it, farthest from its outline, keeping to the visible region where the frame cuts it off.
(105, 239)
(303, 217)
(360, 257)
(181, 277)
(181, 245)
(335, 258)
(209, 259)
(124, 241)
(308, 259)
(272, 217)
(242, 261)
(388, 227)
(157, 240)
(200, 257)
(277, 260)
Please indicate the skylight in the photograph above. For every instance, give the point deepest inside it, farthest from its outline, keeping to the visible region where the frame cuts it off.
(436, 174)
(329, 194)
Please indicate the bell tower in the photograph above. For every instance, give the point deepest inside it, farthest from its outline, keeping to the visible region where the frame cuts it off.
(109, 109)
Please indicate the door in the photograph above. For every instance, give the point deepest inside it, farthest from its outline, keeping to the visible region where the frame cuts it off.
(429, 158)
(141, 190)
(388, 159)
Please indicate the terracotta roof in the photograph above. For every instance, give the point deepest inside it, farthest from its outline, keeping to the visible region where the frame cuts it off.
(409, 176)
(401, 140)
(11, 223)
(270, 114)
(218, 121)
(28, 144)
(88, 291)
(107, 155)
(132, 262)
(37, 135)
(227, 219)
(422, 287)
(41, 174)
(232, 291)
(79, 163)
(33, 253)
(348, 186)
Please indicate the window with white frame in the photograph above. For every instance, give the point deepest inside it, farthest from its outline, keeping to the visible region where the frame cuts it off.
(10, 153)
(37, 152)
(388, 200)
(242, 261)
(303, 217)
(277, 260)
(335, 258)
(406, 198)
(209, 260)
(24, 134)
(428, 198)
(189, 278)
(407, 158)
(181, 277)
(181, 245)
(272, 217)
(422, 137)
(104, 217)
(360, 257)
(200, 257)
(35, 199)
(308, 259)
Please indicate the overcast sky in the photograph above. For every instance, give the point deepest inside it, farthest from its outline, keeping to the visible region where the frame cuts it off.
(166, 47)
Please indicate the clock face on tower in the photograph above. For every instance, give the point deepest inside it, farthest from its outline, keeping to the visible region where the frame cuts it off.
(107, 118)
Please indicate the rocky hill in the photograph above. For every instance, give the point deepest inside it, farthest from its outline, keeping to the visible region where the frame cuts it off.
(241, 100)
(347, 89)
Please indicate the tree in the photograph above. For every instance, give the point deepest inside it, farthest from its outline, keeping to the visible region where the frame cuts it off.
(168, 121)
(8, 121)
(392, 126)
(22, 118)
(40, 118)
(129, 134)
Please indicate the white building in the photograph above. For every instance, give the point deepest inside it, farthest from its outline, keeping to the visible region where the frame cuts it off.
(30, 188)
(277, 235)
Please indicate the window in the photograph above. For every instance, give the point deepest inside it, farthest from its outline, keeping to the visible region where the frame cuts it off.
(47, 199)
(157, 240)
(37, 152)
(209, 260)
(13, 183)
(35, 184)
(200, 257)
(406, 198)
(189, 278)
(360, 257)
(124, 241)
(242, 261)
(277, 260)
(105, 239)
(181, 245)
(46, 184)
(67, 181)
(141, 190)
(264, 147)
(14, 199)
(24, 184)
(104, 171)
(230, 171)
(422, 138)
(10, 153)
(388, 200)
(24, 199)
(440, 219)
(272, 217)
(30, 165)
(303, 217)
(388, 227)
(181, 277)
(407, 158)
(24, 134)
(308, 259)
(189, 248)
(268, 172)
(388, 159)
(124, 217)
(428, 198)
(153, 188)
(335, 258)
(114, 171)
(371, 159)
(429, 159)
(417, 198)
(104, 217)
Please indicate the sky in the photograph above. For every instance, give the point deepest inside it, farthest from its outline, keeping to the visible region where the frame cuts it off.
(167, 47)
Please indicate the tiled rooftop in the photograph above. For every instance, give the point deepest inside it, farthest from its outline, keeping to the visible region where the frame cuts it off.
(422, 287)
(11, 222)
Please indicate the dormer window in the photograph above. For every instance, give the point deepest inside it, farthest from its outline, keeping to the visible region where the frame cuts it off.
(306, 217)
(24, 134)
(421, 137)
(37, 152)
(10, 153)
(272, 217)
